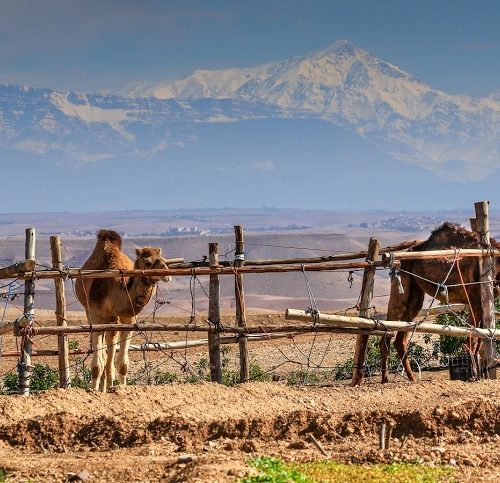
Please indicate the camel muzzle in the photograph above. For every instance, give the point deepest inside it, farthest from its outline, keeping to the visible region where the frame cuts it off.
(161, 265)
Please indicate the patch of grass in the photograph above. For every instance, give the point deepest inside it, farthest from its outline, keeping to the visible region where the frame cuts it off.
(272, 470)
(300, 377)
(332, 472)
(164, 377)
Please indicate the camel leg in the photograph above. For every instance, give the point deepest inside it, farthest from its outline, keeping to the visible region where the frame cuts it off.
(395, 311)
(97, 359)
(109, 371)
(414, 304)
(123, 360)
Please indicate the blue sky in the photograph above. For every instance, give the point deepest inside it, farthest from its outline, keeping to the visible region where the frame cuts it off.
(88, 45)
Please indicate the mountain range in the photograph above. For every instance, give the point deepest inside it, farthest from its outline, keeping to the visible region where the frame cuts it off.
(454, 136)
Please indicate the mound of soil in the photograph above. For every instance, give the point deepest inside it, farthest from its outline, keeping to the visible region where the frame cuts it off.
(144, 433)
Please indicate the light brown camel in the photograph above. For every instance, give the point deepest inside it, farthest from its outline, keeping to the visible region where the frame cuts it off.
(405, 306)
(113, 300)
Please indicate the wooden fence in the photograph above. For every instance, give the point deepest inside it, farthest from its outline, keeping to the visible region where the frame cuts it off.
(362, 326)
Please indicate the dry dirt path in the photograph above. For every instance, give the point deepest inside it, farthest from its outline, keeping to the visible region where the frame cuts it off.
(139, 433)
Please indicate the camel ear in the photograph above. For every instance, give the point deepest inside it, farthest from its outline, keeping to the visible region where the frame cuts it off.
(138, 252)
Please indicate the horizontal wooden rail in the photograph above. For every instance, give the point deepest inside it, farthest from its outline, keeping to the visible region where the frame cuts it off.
(437, 254)
(432, 312)
(322, 259)
(166, 346)
(74, 273)
(394, 325)
(85, 329)
(17, 269)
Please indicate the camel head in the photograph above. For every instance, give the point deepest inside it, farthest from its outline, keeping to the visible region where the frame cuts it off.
(150, 258)
(109, 236)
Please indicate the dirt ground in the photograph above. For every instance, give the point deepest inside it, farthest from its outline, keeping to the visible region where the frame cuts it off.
(207, 432)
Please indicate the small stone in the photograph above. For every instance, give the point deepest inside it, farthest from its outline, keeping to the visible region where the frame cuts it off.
(452, 462)
(186, 458)
(465, 435)
(82, 476)
(299, 444)
(439, 411)
(249, 447)
(230, 445)
(438, 449)
(212, 444)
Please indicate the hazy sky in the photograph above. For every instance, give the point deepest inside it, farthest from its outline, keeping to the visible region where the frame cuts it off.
(453, 45)
(105, 45)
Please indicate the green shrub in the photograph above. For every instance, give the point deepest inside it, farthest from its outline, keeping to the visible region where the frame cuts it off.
(164, 377)
(82, 375)
(43, 377)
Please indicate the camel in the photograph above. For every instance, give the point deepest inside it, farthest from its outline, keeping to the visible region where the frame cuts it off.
(405, 306)
(108, 300)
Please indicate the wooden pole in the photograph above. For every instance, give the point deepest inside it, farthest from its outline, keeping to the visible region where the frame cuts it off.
(179, 272)
(19, 268)
(323, 259)
(62, 340)
(25, 367)
(168, 346)
(487, 275)
(214, 317)
(397, 325)
(140, 327)
(359, 372)
(437, 254)
(241, 321)
(381, 436)
(473, 224)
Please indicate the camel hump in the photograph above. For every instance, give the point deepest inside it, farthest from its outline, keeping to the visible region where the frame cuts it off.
(110, 236)
(448, 235)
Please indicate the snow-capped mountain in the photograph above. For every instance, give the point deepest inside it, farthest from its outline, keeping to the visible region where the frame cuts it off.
(454, 136)
(448, 134)
(85, 128)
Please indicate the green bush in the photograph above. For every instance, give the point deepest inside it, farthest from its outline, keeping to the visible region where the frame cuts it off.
(43, 377)
(82, 375)
(450, 346)
(164, 377)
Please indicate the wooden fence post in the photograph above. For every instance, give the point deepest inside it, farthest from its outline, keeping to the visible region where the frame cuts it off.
(24, 366)
(487, 274)
(62, 340)
(358, 371)
(214, 317)
(241, 321)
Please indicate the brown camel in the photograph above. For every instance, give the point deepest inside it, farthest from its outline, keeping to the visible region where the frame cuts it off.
(112, 300)
(405, 306)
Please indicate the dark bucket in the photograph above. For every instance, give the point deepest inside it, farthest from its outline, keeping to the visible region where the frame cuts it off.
(460, 367)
